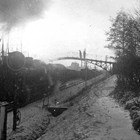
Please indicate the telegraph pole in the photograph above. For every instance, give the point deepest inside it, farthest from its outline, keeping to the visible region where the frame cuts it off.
(84, 55)
(86, 74)
(80, 54)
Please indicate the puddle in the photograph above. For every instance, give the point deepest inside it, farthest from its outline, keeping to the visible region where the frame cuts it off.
(56, 111)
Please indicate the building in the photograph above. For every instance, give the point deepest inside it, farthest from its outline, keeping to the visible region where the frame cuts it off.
(74, 66)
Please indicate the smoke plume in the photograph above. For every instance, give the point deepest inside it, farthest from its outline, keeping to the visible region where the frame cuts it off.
(13, 12)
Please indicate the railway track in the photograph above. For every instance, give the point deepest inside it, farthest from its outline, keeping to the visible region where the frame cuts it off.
(70, 84)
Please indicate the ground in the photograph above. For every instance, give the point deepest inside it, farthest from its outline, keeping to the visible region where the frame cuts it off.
(93, 115)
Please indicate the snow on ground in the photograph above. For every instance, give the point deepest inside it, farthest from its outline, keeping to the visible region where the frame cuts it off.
(35, 119)
(95, 117)
(92, 116)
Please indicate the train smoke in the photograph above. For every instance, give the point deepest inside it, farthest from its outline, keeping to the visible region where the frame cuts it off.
(14, 12)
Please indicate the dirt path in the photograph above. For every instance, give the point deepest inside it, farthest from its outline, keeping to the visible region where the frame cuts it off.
(95, 117)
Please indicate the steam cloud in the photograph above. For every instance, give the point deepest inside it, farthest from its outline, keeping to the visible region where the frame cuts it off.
(13, 12)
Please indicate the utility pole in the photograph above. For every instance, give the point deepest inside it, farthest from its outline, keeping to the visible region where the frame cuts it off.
(80, 54)
(86, 74)
(84, 55)
(106, 63)
(16, 101)
(3, 106)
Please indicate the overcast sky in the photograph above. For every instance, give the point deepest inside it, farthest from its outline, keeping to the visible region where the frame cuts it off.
(69, 26)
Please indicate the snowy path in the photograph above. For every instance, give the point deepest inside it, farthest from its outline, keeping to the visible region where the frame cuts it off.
(95, 117)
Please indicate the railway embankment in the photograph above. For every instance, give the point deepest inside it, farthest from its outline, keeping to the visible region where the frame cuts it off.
(35, 119)
(93, 114)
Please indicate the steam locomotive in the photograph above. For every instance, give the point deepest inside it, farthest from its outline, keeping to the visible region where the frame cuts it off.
(27, 84)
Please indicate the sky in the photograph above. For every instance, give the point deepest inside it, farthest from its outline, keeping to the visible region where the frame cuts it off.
(66, 27)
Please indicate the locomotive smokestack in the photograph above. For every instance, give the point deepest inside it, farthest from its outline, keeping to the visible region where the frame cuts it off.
(2, 51)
